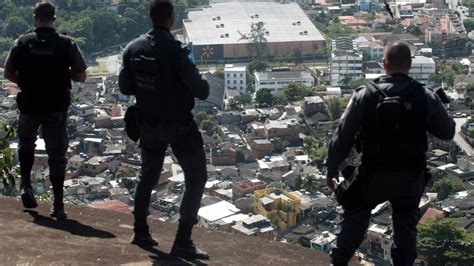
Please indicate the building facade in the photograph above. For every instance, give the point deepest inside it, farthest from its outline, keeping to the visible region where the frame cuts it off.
(245, 187)
(235, 78)
(216, 31)
(346, 62)
(421, 68)
(277, 79)
(279, 206)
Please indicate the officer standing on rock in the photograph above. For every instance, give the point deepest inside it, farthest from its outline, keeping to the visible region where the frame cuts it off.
(165, 82)
(390, 119)
(43, 63)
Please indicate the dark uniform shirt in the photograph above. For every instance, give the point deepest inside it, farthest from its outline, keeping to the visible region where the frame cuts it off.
(78, 64)
(44, 61)
(439, 123)
(159, 73)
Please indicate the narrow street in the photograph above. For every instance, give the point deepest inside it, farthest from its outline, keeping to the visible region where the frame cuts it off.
(459, 140)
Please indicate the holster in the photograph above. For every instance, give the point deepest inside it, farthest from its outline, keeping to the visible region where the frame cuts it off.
(132, 127)
(349, 193)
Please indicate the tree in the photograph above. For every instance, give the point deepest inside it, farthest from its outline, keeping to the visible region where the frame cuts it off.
(296, 55)
(316, 149)
(210, 126)
(239, 101)
(5, 44)
(129, 27)
(253, 66)
(309, 183)
(296, 91)
(106, 28)
(257, 65)
(7, 158)
(180, 11)
(396, 29)
(413, 29)
(469, 89)
(468, 101)
(264, 97)
(14, 26)
(279, 98)
(338, 30)
(276, 184)
(298, 183)
(468, 24)
(457, 46)
(354, 84)
(442, 242)
(447, 186)
(199, 117)
(436, 79)
(257, 42)
(333, 107)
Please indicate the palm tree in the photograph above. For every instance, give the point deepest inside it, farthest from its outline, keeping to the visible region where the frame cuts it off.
(256, 37)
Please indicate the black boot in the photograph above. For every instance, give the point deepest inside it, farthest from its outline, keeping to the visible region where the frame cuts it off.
(184, 247)
(28, 197)
(142, 236)
(58, 192)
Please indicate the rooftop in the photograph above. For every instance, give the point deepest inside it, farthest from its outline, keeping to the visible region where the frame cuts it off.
(218, 211)
(230, 67)
(93, 236)
(271, 75)
(221, 23)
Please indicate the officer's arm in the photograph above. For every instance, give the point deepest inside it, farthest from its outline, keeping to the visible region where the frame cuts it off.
(11, 67)
(78, 64)
(190, 76)
(343, 139)
(440, 124)
(126, 82)
(11, 76)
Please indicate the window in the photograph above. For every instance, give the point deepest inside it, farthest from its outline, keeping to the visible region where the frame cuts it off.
(228, 81)
(235, 81)
(241, 82)
(241, 75)
(235, 75)
(228, 75)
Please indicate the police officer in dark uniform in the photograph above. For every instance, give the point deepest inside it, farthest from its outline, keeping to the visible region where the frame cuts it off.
(392, 166)
(43, 63)
(165, 82)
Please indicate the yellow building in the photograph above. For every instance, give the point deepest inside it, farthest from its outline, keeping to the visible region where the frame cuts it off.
(278, 205)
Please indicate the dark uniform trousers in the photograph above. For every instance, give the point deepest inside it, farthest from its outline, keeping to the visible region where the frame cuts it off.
(53, 129)
(403, 190)
(187, 145)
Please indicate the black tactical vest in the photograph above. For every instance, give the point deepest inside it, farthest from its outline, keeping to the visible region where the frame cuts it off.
(44, 77)
(161, 96)
(382, 150)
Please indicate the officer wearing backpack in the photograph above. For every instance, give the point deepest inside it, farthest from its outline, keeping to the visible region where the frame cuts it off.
(388, 120)
(43, 63)
(158, 71)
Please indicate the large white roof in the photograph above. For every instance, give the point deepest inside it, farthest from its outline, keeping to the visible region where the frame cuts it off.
(284, 23)
(218, 211)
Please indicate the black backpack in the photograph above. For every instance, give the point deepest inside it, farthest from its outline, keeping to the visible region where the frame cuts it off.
(391, 111)
(395, 128)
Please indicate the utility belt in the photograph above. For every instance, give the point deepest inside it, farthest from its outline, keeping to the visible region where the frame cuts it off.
(135, 119)
(352, 192)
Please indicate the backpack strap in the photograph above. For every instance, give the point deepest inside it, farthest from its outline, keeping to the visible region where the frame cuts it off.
(374, 89)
